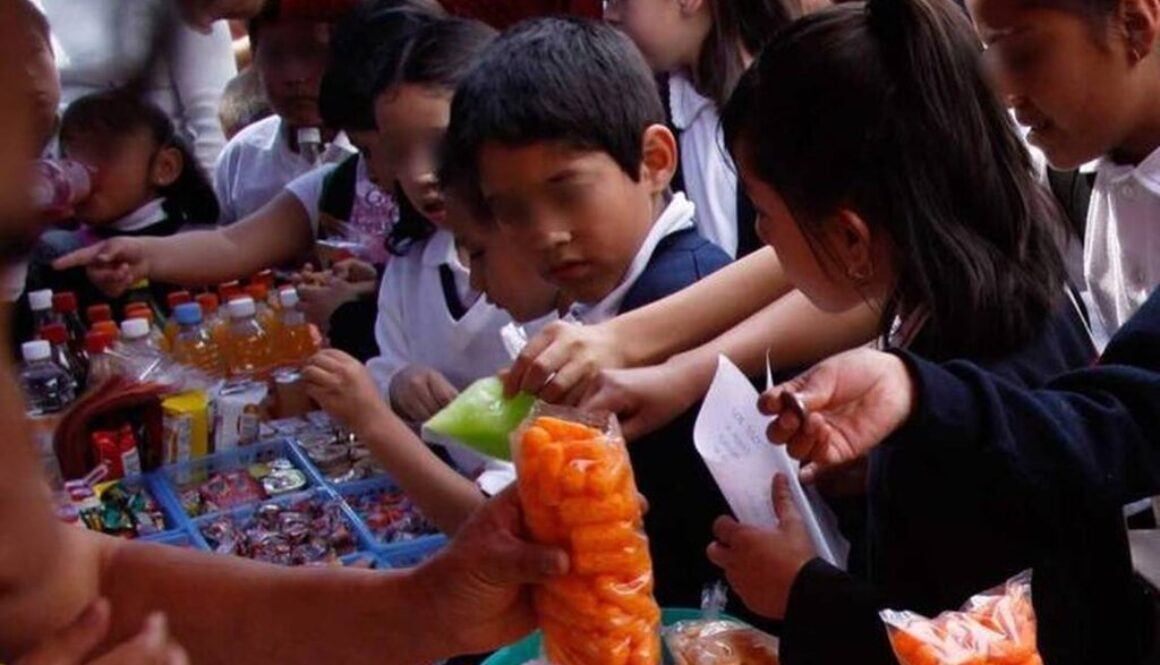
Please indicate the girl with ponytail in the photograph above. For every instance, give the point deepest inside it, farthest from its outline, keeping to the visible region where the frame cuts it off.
(885, 172)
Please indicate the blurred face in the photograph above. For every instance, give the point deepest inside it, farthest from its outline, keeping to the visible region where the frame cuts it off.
(1067, 77)
(823, 274)
(201, 14)
(412, 121)
(668, 32)
(45, 86)
(291, 59)
(576, 212)
(500, 269)
(129, 170)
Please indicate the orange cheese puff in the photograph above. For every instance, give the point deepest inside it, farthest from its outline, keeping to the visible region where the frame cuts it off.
(646, 652)
(596, 622)
(585, 510)
(609, 476)
(559, 654)
(590, 449)
(544, 526)
(533, 439)
(638, 602)
(575, 593)
(911, 650)
(607, 536)
(574, 477)
(624, 562)
(564, 430)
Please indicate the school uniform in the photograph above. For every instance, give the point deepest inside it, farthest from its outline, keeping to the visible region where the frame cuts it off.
(706, 173)
(683, 497)
(941, 530)
(257, 164)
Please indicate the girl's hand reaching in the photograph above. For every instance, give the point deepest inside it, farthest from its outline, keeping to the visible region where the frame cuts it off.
(113, 265)
(343, 387)
(419, 392)
(560, 363)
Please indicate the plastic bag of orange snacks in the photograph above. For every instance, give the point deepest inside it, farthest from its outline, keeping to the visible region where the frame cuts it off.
(994, 628)
(578, 493)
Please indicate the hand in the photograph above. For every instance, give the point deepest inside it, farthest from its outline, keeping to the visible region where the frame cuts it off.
(760, 564)
(354, 270)
(73, 645)
(855, 400)
(645, 399)
(320, 301)
(419, 392)
(478, 588)
(343, 387)
(113, 266)
(561, 361)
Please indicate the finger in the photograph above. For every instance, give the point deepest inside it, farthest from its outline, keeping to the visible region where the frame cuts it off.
(571, 377)
(177, 655)
(72, 644)
(725, 530)
(331, 360)
(79, 258)
(575, 396)
(801, 446)
(523, 362)
(783, 504)
(320, 379)
(783, 428)
(151, 645)
(441, 390)
(719, 555)
(544, 368)
(809, 474)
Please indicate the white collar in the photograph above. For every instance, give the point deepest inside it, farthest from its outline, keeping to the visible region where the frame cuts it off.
(678, 215)
(142, 218)
(685, 103)
(1147, 172)
(333, 152)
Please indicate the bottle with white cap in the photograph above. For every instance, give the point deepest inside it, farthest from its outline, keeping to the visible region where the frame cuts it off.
(249, 351)
(310, 144)
(296, 341)
(137, 337)
(40, 302)
(48, 387)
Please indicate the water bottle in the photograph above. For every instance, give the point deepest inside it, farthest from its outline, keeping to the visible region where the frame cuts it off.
(141, 292)
(57, 336)
(60, 184)
(137, 338)
(40, 302)
(194, 346)
(214, 320)
(295, 339)
(64, 304)
(266, 316)
(249, 351)
(310, 144)
(48, 388)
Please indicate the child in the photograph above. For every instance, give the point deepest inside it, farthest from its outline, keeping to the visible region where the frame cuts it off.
(290, 57)
(1102, 103)
(146, 182)
(700, 49)
(582, 189)
(958, 248)
(243, 103)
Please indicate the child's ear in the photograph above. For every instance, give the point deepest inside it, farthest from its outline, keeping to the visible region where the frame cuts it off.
(849, 242)
(689, 7)
(1141, 21)
(659, 158)
(167, 167)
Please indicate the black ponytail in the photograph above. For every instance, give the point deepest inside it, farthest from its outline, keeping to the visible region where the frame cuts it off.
(882, 109)
(116, 113)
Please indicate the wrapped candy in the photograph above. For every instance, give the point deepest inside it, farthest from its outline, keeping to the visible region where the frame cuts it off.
(578, 493)
(231, 489)
(391, 516)
(994, 628)
(307, 532)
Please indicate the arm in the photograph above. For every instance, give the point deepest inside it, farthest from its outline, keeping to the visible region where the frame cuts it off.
(279, 232)
(200, 67)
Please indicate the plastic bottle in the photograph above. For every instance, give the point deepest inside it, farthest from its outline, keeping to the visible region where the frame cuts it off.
(266, 278)
(156, 334)
(40, 302)
(174, 300)
(214, 320)
(194, 346)
(107, 327)
(61, 184)
(266, 314)
(310, 144)
(295, 339)
(97, 313)
(140, 292)
(64, 304)
(249, 353)
(102, 364)
(48, 388)
(57, 336)
(229, 291)
(137, 338)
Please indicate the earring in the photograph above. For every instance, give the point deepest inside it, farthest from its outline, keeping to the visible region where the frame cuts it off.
(860, 275)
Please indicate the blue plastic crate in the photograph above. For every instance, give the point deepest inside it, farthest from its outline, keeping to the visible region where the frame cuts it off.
(350, 494)
(172, 520)
(318, 474)
(244, 514)
(197, 471)
(181, 538)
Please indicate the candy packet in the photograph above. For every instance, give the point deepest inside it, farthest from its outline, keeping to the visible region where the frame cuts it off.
(996, 627)
(578, 493)
(481, 418)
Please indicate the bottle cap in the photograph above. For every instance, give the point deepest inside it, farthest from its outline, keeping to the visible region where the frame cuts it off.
(187, 314)
(140, 313)
(107, 327)
(178, 298)
(40, 300)
(288, 297)
(54, 333)
(242, 308)
(135, 328)
(258, 292)
(98, 313)
(98, 342)
(265, 277)
(309, 135)
(227, 291)
(209, 303)
(65, 302)
(36, 350)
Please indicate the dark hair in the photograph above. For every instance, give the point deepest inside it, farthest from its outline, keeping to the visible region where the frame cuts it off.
(568, 80)
(114, 114)
(738, 25)
(881, 108)
(362, 46)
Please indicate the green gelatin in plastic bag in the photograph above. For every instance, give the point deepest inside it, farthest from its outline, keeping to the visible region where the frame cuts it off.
(482, 418)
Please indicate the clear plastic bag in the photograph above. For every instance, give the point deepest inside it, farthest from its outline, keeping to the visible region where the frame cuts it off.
(994, 628)
(578, 493)
(719, 642)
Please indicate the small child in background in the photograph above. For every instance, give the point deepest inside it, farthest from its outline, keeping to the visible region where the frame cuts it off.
(582, 191)
(243, 103)
(700, 49)
(290, 57)
(146, 183)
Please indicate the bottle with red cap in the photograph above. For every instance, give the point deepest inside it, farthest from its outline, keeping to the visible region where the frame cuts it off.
(266, 315)
(102, 364)
(141, 292)
(229, 291)
(215, 321)
(65, 306)
(97, 313)
(108, 327)
(156, 334)
(57, 337)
